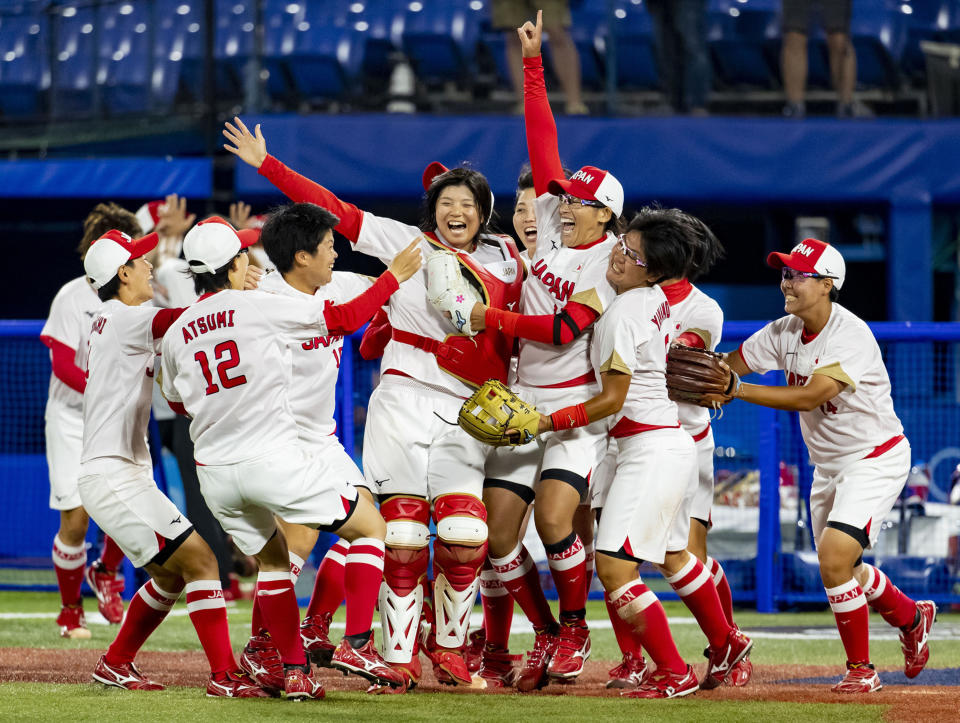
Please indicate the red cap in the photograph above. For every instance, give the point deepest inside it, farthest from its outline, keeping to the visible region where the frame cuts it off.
(111, 251)
(813, 257)
(148, 215)
(249, 236)
(431, 172)
(593, 184)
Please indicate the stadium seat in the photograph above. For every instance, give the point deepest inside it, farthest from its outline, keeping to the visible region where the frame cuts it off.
(380, 24)
(589, 19)
(937, 20)
(74, 34)
(919, 576)
(440, 38)
(636, 66)
(24, 51)
(877, 33)
(739, 34)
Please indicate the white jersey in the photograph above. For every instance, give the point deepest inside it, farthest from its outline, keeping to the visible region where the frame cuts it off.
(120, 364)
(409, 310)
(632, 337)
(558, 275)
(226, 360)
(173, 275)
(316, 362)
(695, 312)
(71, 314)
(859, 419)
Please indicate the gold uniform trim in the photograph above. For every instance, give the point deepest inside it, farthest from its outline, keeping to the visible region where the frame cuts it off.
(615, 363)
(590, 298)
(835, 371)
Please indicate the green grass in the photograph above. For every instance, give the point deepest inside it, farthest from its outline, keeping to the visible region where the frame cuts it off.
(88, 702)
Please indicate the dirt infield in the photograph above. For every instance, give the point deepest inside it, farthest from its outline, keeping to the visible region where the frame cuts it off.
(907, 703)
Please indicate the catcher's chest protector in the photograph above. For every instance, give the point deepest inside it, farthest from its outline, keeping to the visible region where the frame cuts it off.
(486, 355)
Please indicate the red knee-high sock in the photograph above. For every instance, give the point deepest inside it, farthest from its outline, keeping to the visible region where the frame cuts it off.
(68, 561)
(328, 587)
(363, 574)
(208, 613)
(568, 567)
(636, 604)
(146, 611)
(849, 607)
(695, 587)
(278, 606)
(520, 577)
(497, 608)
(257, 624)
(111, 556)
(626, 639)
(888, 600)
(723, 588)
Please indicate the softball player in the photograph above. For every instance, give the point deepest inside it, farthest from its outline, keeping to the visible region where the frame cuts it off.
(838, 383)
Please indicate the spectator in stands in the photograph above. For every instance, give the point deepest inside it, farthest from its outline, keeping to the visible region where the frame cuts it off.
(834, 15)
(508, 15)
(682, 54)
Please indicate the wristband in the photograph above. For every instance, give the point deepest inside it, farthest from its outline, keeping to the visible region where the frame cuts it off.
(569, 417)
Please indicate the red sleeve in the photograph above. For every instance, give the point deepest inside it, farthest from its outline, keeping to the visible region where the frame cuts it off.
(557, 329)
(302, 190)
(376, 337)
(691, 338)
(178, 408)
(346, 318)
(163, 320)
(64, 364)
(541, 128)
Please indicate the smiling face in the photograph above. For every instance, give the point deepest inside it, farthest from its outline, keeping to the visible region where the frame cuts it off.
(525, 219)
(458, 218)
(623, 271)
(137, 280)
(318, 266)
(581, 224)
(802, 294)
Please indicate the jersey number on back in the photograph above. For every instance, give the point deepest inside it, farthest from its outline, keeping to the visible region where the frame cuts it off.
(231, 358)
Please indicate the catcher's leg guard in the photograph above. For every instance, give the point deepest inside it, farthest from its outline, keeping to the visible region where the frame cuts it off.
(405, 566)
(457, 557)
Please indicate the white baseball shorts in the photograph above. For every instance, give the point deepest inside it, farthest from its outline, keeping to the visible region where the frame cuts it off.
(63, 430)
(702, 501)
(315, 490)
(410, 448)
(603, 476)
(126, 504)
(862, 494)
(643, 516)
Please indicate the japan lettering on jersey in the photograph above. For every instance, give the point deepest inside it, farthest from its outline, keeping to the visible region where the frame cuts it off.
(71, 312)
(316, 361)
(861, 417)
(116, 404)
(697, 313)
(559, 275)
(226, 360)
(409, 309)
(632, 337)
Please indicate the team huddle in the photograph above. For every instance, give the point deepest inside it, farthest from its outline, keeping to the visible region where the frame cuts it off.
(562, 348)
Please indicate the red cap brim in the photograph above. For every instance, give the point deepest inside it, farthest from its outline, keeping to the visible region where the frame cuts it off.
(142, 246)
(792, 261)
(248, 237)
(431, 172)
(558, 186)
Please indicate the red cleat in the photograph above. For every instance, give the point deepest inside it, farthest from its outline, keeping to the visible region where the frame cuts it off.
(721, 661)
(916, 653)
(234, 685)
(474, 650)
(573, 649)
(315, 634)
(630, 673)
(299, 685)
(366, 662)
(666, 685)
(107, 586)
(860, 678)
(122, 675)
(533, 674)
(261, 660)
(73, 623)
(497, 667)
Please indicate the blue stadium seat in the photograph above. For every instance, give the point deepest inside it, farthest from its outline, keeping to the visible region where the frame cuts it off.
(589, 21)
(73, 75)
(919, 576)
(24, 54)
(937, 20)
(440, 38)
(877, 32)
(380, 23)
(739, 34)
(636, 66)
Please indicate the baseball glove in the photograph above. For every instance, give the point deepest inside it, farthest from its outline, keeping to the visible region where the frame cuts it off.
(701, 377)
(498, 417)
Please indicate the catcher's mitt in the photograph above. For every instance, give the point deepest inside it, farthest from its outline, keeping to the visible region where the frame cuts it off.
(492, 410)
(701, 377)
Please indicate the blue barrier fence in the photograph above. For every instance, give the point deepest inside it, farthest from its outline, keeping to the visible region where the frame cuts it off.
(761, 524)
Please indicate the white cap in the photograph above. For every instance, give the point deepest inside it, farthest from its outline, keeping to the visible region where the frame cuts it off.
(592, 184)
(813, 257)
(111, 251)
(212, 244)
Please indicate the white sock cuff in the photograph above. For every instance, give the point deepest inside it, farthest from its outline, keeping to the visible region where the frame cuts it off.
(204, 595)
(514, 554)
(684, 571)
(846, 597)
(68, 557)
(715, 569)
(296, 566)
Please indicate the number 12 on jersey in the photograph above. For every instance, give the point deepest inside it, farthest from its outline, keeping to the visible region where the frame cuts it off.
(230, 355)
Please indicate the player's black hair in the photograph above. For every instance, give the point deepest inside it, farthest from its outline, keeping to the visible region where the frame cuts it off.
(110, 289)
(292, 228)
(206, 283)
(525, 179)
(705, 248)
(834, 293)
(104, 217)
(667, 234)
(478, 186)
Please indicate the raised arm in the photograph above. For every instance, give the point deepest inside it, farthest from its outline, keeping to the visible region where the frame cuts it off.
(541, 129)
(251, 148)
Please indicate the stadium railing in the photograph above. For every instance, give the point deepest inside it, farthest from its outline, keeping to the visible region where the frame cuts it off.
(761, 520)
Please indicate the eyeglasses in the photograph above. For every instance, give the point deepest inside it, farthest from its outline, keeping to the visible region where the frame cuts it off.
(568, 200)
(629, 253)
(788, 274)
